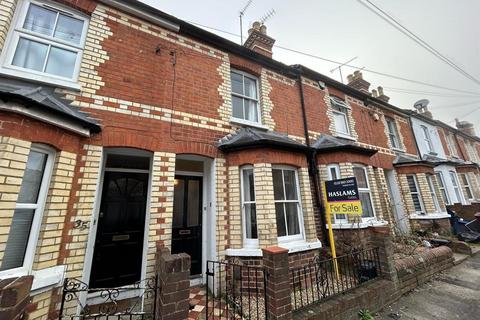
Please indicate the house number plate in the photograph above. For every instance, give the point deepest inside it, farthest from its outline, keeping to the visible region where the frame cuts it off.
(184, 232)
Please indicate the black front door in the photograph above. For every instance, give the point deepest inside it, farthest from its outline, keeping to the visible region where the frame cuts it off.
(187, 220)
(117, 257)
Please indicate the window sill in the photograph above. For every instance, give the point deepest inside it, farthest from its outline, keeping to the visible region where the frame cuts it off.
(344, 136)
(242, 122)
(398, 150)
(298, 246)
(293, 246)
(429, 216)
(42, 279)
(44, 79)
(244, 252)
(359, 225)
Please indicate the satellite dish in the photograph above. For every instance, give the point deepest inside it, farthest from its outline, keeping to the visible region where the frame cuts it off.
(420, 104)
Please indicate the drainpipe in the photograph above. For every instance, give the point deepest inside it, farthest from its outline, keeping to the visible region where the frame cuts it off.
(312, 166)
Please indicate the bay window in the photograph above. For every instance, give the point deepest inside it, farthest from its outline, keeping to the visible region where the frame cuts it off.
(27, 217)
(466, 185)
(287, 203)
(433, 193)
(361, 175)
(442, 187)
(456, 187)
(46, 41)
(334, 174)
(249, 207)
(415, 194)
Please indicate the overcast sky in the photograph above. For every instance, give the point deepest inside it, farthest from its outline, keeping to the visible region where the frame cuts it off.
(343, 29)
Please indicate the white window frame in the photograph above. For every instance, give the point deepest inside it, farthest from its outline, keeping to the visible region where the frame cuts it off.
(39, 207)
(433, 192)
(17, 31)
(259, 113)
(443, 187)
(472, 151)
(301, 235)
(336, 168)
(456, 186)
(247, 242)
(367, 190)
(418, 193)
(467, 186)
(451, 145)
(393, 133)
(340, 108)
(427, 139)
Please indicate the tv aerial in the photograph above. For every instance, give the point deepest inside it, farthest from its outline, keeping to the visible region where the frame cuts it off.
(242, 12)
(267, 16)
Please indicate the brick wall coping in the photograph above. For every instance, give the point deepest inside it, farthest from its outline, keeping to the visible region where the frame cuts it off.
(274, 250)
(423, 259)
(430, 216)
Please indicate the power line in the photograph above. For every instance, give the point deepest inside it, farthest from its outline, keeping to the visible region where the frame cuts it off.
(462, 104)
(465, 115)
(430, 93)
(348, 65)
(397, 25)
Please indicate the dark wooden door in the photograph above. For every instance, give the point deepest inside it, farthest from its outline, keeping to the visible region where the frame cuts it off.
(187, 220)
(117, 257)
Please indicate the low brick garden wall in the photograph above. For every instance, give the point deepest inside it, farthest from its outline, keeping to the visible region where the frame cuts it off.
(408, 273)
(418, 269)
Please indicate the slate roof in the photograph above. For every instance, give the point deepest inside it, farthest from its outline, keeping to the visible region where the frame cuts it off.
(245, 138)
(327, 143)
(44, 97)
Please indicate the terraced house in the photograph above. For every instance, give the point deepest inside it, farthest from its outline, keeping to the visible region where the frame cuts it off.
(124, 129)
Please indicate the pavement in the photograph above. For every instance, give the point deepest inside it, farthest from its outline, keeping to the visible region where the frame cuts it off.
(454, 294)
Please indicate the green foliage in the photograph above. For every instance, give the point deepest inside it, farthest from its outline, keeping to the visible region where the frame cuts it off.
(364, 314)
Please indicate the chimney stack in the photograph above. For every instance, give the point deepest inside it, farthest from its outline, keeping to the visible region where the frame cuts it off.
(258, 40)
(356, 81)
(466, 127)
(422, 108)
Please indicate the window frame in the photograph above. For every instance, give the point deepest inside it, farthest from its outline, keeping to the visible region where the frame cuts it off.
(443, 188)
(451, 145)
(393, 136)
(336, 168)
(16, 32)
(366, 190)
(433, 193)
(337, 106)
(301, 235)
(418, 193)
(247, 242)
(467, 186)
(243, 97)
(427, 139)
(456, 186)
(39, 209)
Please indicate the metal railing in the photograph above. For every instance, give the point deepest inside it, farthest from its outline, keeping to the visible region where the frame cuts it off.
(236, 291)
(318, 279)
(137, 301)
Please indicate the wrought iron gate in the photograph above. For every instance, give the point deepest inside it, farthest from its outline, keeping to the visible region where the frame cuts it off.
(236, 291)
(136, 301)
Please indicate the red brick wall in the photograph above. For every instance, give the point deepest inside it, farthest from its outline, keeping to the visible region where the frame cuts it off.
(443, 139)
(415, 169)
(86, 6)
(408, 137)
(265, 155)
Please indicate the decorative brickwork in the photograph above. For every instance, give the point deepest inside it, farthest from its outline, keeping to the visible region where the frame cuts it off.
(221, 189)
(76, 238)
(161, 206)
(7, 9)
(50, 238)
(266, 217)
(266, 103)
(307, 205)
(13, 160)
(235, 210)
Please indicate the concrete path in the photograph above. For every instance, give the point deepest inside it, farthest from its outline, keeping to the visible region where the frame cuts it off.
(452, 295)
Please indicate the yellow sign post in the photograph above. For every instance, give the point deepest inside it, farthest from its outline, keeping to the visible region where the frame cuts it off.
(341, 197)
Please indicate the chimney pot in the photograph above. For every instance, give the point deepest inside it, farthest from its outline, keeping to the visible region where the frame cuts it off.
(466, 127)
(356, 81)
